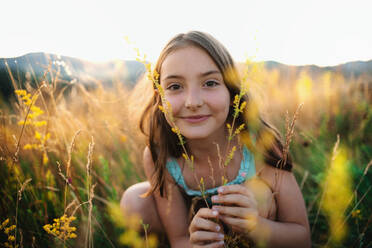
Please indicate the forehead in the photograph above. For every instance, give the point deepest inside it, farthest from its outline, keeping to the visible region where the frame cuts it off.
(187, 60)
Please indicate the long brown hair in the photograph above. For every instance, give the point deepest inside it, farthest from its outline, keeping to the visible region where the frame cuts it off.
(163, 143)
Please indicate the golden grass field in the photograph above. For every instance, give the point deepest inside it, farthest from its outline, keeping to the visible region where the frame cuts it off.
(66, 159)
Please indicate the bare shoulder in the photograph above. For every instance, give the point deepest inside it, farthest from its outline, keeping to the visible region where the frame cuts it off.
(290, 203)
(272, 176)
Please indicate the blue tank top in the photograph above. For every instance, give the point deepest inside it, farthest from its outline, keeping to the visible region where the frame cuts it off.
(247, 170)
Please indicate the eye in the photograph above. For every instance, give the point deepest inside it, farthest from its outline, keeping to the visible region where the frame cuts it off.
(174, 86)
(211, 83)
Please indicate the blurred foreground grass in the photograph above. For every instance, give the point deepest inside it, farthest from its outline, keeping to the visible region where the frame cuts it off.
(65, 161)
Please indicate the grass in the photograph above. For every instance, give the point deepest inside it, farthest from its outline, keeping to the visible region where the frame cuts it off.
(50, 167)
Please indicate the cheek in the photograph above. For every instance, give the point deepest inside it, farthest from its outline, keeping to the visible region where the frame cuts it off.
(175, 102)
(222, 103)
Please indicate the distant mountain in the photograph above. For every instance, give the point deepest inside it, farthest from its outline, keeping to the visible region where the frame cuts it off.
(348, 70)
(33, 67)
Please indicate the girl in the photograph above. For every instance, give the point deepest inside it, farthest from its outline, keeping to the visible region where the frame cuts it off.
(258, 198)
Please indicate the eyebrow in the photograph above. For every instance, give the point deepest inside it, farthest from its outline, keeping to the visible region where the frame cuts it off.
(207, 73)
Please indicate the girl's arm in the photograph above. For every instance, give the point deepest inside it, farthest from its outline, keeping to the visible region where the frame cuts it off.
(291, 229)
(172, 211)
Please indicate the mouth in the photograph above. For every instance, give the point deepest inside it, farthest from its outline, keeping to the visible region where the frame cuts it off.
(195, 118)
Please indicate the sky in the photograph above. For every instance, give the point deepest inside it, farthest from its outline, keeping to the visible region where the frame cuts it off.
(294, 32)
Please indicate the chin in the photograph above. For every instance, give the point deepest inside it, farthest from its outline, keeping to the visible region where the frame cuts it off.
(199, 135)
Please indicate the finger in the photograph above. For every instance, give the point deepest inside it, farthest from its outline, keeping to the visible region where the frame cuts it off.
(203, 236)
(199, 223)
(207, 213)
(235, 189)
(200, 220)
(238, 212)
(211, 245)
(235, 199)
(247, 224)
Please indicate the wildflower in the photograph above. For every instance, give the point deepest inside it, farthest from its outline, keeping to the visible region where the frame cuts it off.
(40, 123)
(239, 129)
(9, 229)
(61, 227)
(21, 123)
(356, 214)
(37, 135)
(161, 109)
(230, 156)
(175, 130)
(236, 100)
(36, 111)
(6, 244)
(224, 180)
(202, 186)
(337, 192)
(45, 158)
(21, 92)
(72, 235)
(185, 156)
(242, 106)
(5, 222)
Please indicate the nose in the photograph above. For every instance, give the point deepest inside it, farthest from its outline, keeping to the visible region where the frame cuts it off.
(194, 99)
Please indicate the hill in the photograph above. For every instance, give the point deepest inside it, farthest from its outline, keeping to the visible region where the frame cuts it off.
(32, 68)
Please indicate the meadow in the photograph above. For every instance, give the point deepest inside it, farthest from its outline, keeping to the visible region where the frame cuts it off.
(68, 154)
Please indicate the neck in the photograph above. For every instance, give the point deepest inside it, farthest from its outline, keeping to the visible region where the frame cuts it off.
(211, 147)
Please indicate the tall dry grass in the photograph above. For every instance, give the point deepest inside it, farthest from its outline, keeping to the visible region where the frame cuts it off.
(50, 170)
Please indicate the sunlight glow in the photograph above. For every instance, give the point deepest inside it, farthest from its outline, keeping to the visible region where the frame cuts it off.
(291, 32)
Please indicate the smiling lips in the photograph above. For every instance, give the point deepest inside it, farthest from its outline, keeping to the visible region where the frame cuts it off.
(195, 118)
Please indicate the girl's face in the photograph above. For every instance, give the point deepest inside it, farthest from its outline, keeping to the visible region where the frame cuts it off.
(195, 88)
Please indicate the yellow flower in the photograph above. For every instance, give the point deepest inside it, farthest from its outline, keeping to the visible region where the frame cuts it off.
(185, 156)
(72, 235)
(37, 135)
(11, 238)
(21, 123)
(27, 147)
(243, 106)
(224, 180)
(239, 129)
(230, 156)
(356, 214)
(45, 158)
(61, 227)
(5, 222)
(21, 92)
(46, 137)
(175, 130)
(40, 123)
(161, 109)
(28, 102)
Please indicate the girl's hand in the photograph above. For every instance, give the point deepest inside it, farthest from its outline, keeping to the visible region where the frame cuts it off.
(238, 207)
(204, 232)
